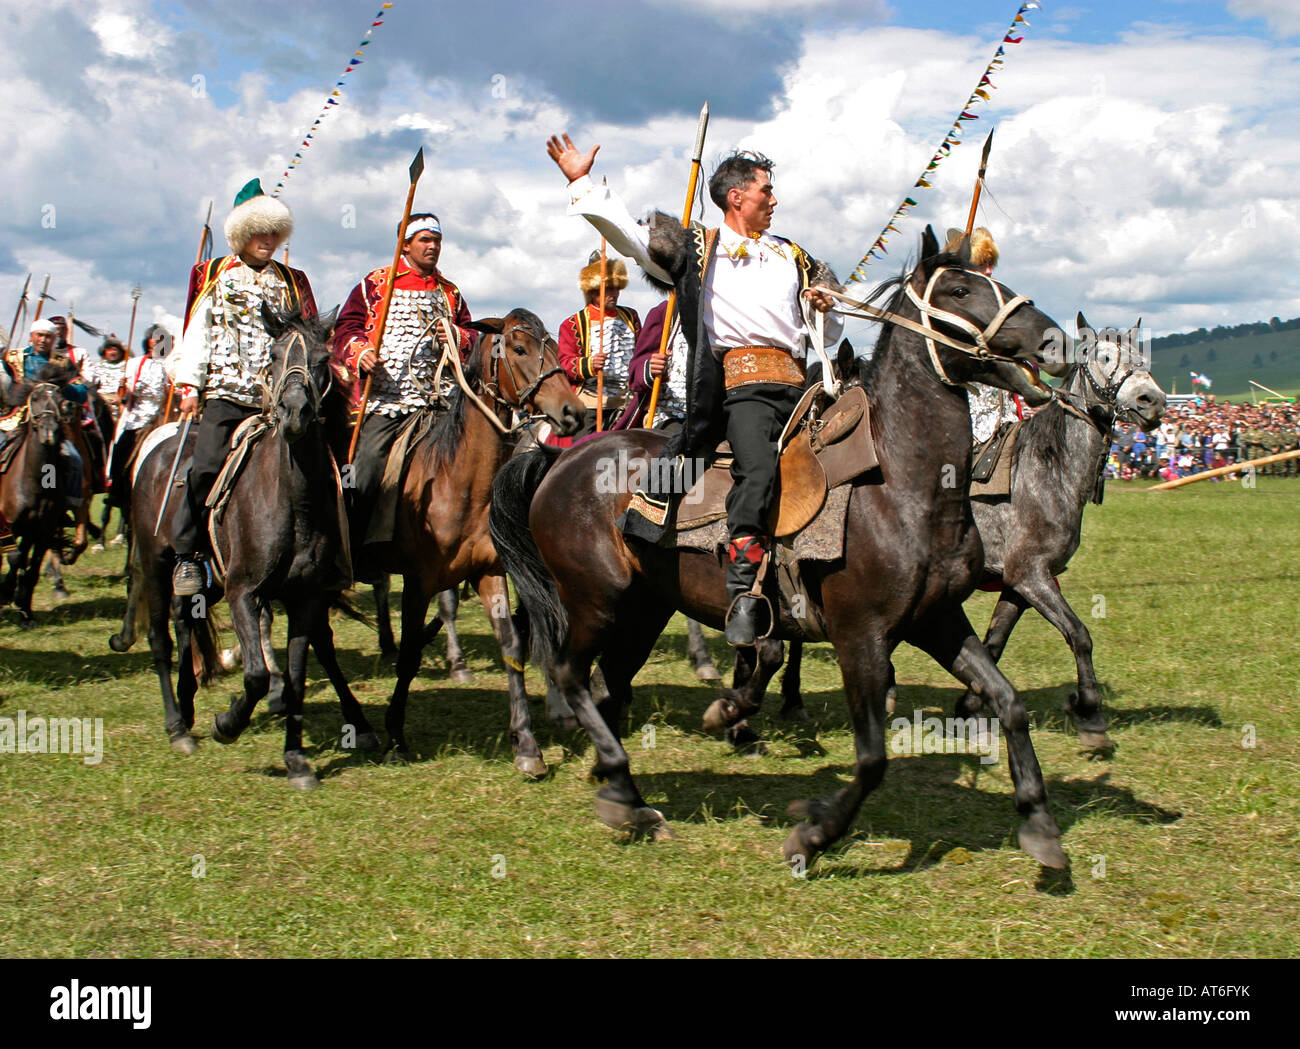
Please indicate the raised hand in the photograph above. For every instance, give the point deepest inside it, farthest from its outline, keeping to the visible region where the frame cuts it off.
(569, 158)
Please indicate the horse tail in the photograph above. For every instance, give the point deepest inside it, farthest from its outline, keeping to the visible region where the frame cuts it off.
(204, 643)
(512, 493)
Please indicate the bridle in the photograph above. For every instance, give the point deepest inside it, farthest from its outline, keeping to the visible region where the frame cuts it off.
(1097, 394)
(51, 409)
(929, 313)
(291, 370)
(451, 354)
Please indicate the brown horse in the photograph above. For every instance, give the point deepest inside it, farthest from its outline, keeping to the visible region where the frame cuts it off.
(441, 537)
(912, 555)
(32, 493)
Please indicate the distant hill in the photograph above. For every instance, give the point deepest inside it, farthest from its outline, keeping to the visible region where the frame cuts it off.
(1268, 352)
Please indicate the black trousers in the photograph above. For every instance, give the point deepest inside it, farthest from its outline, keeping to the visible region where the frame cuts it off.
(118, 481)
(219, 421)
(378, 432)
(755, 416)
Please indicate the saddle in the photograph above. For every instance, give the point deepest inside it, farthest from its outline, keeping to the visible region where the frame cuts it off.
(820, 451)
(991, 462)
(383, 519)
(242, 441)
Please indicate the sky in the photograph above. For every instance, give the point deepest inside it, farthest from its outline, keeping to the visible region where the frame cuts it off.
(1144, 164)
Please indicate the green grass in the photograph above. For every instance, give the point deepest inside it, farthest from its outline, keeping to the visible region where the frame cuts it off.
(1198, 833)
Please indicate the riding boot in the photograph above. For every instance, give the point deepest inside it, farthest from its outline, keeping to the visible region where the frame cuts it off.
(745, 556)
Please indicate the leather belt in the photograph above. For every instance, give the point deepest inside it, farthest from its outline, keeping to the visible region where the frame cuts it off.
(749, 365)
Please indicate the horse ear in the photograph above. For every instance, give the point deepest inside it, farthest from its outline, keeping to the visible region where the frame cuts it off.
(328, 320)
(272, 321)
(844, 360)
(929, 244)
(1082, 323)
(488, 325)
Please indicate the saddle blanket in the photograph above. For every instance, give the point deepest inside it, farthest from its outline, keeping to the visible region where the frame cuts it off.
(156, 437)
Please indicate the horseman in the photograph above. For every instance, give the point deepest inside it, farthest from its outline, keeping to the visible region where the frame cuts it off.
(407, 360)
(144, 388)
(225, 352)
(647, 365)
(990, 407)
(739, 289)
(37, 362)
(591, 342)
(108, 374)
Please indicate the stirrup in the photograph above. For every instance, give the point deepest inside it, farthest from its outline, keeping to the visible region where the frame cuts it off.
(771, 619)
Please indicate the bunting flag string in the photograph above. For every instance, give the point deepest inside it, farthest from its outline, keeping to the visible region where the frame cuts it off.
(333, 99)
(953, 137)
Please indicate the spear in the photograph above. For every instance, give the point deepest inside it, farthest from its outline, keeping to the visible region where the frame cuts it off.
(979, 184)
(205, 240)
(18, 310)
(136, 292)
(417, 167)
(40, 301)
(700, 130)
(600, 376)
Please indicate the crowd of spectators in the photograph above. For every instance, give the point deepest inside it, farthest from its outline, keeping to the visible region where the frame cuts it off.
(1203, 434)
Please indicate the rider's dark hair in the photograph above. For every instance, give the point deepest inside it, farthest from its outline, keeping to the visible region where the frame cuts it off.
(736, 171)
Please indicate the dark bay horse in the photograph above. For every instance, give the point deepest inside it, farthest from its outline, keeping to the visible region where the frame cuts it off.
(441, 537)
(32, 492)
(912, 555)
(283, 537)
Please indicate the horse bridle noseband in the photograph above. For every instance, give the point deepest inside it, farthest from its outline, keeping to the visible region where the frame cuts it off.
(1104, 397)
(929, 313)
(271, 394)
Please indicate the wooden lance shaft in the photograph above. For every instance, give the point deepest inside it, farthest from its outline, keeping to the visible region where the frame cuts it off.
(979, 185)
(672, 296)
(600, 375)
(40, 301)
(417, 166)
(1223, 470)
(18, 310)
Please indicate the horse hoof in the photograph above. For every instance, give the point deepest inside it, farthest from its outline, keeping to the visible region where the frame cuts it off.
(461, 675)
(27, 624)
(185, 744)
(796, 714)
(301, 775)
(117, 644)
(220, 735)
(720, 715)
(368, 741)
(398, 756)
(1095, 741)
(530, 766)
(639, 821)
(98, 548)
(707, 672)
(118, 540)
(798, 854)
(1045, 848)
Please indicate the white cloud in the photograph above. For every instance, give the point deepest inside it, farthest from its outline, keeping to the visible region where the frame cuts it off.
(1284, 17)
(1152, 176)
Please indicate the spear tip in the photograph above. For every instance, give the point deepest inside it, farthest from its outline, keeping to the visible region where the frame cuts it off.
(417, 165)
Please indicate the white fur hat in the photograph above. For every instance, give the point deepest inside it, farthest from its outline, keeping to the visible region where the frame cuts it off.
(254, 213)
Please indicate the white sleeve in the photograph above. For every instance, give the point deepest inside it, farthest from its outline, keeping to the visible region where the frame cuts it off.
(605, 210)
(187, 365)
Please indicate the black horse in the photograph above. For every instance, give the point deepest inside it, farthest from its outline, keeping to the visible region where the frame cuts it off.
(912, 554)
(283, 536)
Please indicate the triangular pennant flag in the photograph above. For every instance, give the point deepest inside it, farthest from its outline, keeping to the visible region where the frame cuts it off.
(982, 94)
(909, 202)
(922, 184)
(1009, 39)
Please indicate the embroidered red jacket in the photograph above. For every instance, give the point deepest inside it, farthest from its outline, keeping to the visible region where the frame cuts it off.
(358, 322)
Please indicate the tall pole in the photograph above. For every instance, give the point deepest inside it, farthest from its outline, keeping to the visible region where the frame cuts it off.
(18, 310)
(205, 240)
(136, 292)
(979, 185)
(40, 301)
(417, 167)
(600, 376)
(696, 157)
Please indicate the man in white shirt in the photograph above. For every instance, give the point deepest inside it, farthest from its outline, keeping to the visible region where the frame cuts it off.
(739, 291)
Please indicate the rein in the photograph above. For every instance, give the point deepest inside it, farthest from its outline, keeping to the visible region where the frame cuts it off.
(451, 353)
(271, 395)
(930, 312)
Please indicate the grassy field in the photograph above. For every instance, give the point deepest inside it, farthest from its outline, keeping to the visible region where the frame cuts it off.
(1184, 843)
(1233, 366)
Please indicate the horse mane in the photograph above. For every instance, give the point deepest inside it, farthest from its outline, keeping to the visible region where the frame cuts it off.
(1043, 435)
(449, 427)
